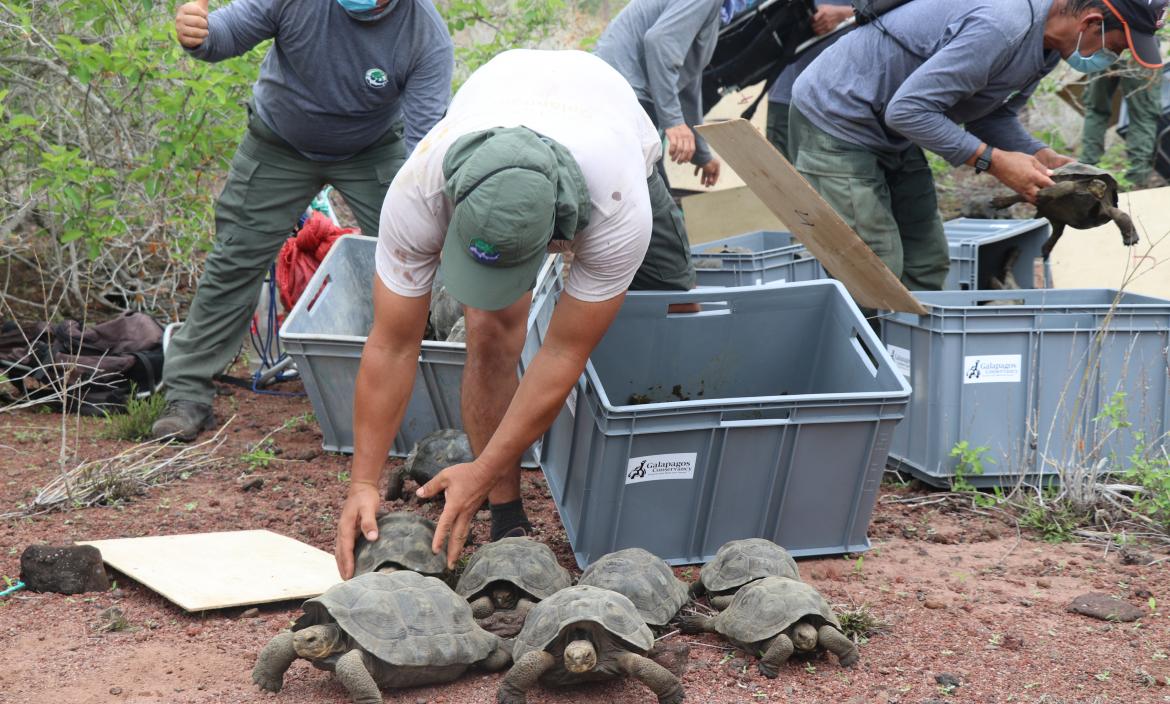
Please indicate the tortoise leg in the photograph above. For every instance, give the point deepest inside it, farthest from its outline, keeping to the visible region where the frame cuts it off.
(655, 676)
(523, 677)
(496, 660)
(273, 662)
(696, 624)
(1057, 231)
(777, 654)
(482, 607)
(351, 670)
(836, 643)
(523, 606)
(1129, 235)
(394, 486)
(721, 602)
(1001, 202)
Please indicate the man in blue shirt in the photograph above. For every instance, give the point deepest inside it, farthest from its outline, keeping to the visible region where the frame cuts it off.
(345, 92)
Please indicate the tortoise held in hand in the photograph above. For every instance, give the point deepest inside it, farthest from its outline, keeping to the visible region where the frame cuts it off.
(428, 457)
(778, 616)
(585, 634)
(740, 562)
(1081, 197)
(404, 543)
(383, 630)
(510, 575)
(643, 578)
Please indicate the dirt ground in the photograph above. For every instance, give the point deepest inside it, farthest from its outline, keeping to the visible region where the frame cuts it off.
(964, 596)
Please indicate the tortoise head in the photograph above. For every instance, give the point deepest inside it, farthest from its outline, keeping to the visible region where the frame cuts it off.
(389, 567)
(504, 595)
(318, 642)
(1098, 188)
(580, 656)
(804, 637)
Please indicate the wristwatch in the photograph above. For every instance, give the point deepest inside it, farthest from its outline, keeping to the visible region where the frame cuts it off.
(983, 163)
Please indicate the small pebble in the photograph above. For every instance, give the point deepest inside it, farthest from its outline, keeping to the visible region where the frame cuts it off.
(1044, 583)
(251, 613)
(946, 679)
(193, 631)
(253, 484)
(934, 601)
(115, 691)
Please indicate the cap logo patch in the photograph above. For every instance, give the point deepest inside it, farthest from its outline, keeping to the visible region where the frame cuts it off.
(483, 251)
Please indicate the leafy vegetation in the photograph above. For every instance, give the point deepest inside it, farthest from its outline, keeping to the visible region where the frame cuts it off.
(135, 424)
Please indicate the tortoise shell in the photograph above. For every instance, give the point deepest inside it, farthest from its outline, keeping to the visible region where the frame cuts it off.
(768, 606)
(643, 578)
(404, 540)
(741, 561)
(524, 562)
(610, 610)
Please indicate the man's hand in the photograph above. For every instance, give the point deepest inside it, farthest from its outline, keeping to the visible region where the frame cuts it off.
(191, 23)
(1023, 173)
(464, 488)
(360, 511)
(829, 16)
(1052, 158)
(710, 172)
(681, 143)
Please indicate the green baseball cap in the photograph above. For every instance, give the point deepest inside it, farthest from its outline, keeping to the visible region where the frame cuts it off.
(513, 192)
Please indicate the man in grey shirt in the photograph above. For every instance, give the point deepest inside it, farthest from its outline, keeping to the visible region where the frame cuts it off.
(949, 77)
(334, 90)
(661, 47)
(830, 13)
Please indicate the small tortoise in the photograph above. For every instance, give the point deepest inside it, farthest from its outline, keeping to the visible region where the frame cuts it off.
(505, 579)
(739, 562)
(428, 457)
(404, 543)
(585, 634)
(444, 311)
(383, 630)
(458, 331)
(777, 616)
(1081, 197)
(643, 578)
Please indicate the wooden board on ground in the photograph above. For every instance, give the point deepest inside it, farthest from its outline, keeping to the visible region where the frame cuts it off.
(810, 219)
(1097, 259)
(201, 571)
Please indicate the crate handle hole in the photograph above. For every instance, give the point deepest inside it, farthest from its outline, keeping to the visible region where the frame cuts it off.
(690, 309)
(317, 296)
(867, 356)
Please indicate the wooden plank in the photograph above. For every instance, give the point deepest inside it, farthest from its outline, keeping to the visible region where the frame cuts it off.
(810, 219)
(201, 571)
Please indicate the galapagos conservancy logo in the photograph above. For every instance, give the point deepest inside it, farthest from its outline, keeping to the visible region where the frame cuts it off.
(991, 368)
(376, 78)
(678, 465)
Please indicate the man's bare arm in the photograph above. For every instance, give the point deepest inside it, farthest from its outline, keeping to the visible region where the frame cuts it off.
(384, 382)
(574, 331)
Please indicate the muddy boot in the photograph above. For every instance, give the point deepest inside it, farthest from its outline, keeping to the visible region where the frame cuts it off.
(182, 420)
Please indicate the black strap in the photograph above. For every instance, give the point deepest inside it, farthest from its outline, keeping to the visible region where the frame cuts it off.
(751, 109)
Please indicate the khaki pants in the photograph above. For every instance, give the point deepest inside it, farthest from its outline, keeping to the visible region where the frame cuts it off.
(887, 198)
(1139, 87)
(268, 186)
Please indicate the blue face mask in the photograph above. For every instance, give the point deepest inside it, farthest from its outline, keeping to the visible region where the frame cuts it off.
(1099, 61)
(365, 10)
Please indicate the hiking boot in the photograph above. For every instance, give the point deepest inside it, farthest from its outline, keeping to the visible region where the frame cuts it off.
(183, 421)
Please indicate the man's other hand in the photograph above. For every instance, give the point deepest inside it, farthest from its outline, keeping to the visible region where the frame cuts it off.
(829, 16)
(191, 23)
(464, 488)
(359, 512)
(1023, 173)
(681, 143)
(710, 172)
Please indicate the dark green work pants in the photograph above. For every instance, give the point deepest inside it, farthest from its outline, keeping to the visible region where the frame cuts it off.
(887, 198)
(1140, 88)
(268, 186)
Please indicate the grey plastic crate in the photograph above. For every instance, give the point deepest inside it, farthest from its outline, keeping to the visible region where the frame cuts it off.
(327, 328)
(1028, 381)
(978, 248)
(772, 414)
(775, 257)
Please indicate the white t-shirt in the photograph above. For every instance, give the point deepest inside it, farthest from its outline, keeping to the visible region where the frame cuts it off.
(572, 97)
